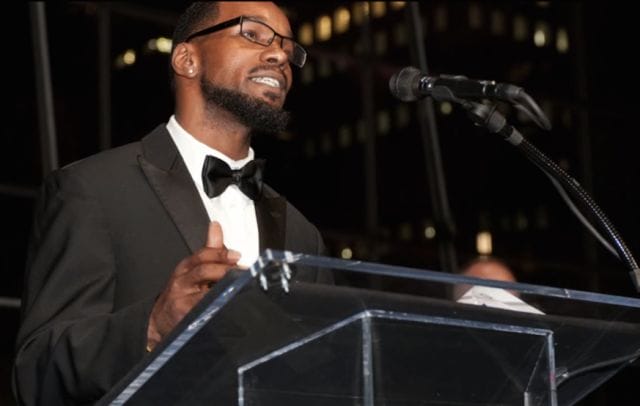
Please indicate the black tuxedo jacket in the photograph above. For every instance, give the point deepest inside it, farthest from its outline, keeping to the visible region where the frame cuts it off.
(108, 231)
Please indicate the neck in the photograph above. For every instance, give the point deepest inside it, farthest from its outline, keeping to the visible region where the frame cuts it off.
(218, 129)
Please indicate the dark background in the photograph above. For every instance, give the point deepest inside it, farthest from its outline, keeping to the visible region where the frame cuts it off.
(589, 92)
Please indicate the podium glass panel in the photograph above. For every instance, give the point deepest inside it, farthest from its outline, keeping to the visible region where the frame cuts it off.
(293, 342)
(380, 357)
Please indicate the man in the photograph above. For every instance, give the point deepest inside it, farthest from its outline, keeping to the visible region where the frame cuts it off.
(103, 287)
(483, 267)
(491, 268)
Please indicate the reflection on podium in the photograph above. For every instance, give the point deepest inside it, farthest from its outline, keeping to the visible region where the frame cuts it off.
(323, 344)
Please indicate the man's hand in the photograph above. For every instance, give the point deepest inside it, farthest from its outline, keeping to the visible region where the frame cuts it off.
(189, 282)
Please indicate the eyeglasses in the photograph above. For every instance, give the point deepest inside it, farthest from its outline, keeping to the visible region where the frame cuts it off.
(259, 33)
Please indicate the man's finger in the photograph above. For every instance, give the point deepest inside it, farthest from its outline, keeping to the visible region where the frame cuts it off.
(207, 255)
(214, 237)
(206, 273)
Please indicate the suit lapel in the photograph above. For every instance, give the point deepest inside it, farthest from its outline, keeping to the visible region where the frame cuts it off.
(271, 215)
(168, 176)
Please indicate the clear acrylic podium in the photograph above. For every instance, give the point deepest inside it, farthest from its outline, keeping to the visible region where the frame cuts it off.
(298, 343)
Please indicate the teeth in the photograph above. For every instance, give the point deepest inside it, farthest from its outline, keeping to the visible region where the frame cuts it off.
(267, 81)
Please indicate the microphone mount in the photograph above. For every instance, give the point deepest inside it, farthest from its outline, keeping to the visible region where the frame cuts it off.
(410, 84)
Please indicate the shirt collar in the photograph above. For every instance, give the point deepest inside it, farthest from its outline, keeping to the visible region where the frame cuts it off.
(194, 152)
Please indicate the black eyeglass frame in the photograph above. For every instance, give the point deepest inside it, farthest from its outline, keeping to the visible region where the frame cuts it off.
(238, 21)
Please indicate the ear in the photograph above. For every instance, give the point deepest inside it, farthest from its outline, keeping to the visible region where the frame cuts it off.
(184, 60)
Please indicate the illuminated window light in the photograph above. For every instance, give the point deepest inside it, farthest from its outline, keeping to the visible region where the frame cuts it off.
(429, 232)
(402, 115)
(520, 28)
(346, 253)
(497, 22)
(562, 41)
(380, 42)
(400, 35)
(127, 58)
(441, 18)
(342, 64)
(344, 136)
(160, 44)
(341, 19)
(383, 120)
(475, 16)
(359, 11)
(285, 136)
(539, 38)
(305, 34)
(310, 148)
(361, 131)
(308, 73)
(405, 233)
(541, 34)
(326, 145)
(163, 45)
(446, 108)
(323, 28)
(484, 244)
(378, 9)
(425, 25)
(151, 45)
(542, 218)
(324, 67)
(522, 222)
(397, 5)
(505, 223)
(357, 47)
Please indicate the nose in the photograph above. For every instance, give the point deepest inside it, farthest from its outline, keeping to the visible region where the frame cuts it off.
(274, 54)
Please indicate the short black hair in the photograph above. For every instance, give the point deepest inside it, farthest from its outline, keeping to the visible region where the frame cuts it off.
(191, 19)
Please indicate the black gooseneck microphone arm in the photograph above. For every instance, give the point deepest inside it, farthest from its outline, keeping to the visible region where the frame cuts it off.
(487, 116)
(411, 84)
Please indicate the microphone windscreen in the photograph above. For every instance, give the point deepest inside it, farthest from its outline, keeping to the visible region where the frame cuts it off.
(403, 84)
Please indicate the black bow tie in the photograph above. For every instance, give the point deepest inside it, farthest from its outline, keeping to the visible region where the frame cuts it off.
(217, 175)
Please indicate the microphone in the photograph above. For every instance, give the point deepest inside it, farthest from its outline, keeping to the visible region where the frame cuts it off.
(411, 84)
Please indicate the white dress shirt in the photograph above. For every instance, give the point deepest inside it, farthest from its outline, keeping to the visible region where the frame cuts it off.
(232, 209)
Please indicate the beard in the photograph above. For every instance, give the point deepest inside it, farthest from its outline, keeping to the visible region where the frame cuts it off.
(252, 112)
